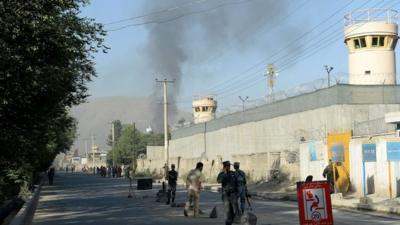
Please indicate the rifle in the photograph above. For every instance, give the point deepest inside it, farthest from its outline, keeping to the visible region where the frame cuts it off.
(251, 218)
(248, 200)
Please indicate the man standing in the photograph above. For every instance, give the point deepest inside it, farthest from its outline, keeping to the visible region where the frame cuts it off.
(229, 185)
(193, 186)
(330, 176)
(242, 182)
(50, 175)
(172, 178)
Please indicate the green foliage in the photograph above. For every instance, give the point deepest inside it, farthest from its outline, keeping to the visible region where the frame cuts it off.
(130, 144)
(45, 63)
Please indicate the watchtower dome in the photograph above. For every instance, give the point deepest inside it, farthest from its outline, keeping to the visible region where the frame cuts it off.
(371, 37)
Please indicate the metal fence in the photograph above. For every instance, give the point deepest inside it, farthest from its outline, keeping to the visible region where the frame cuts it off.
(309, 99)
(285, 94)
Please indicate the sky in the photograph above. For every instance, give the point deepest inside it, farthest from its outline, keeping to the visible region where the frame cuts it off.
(222, 47)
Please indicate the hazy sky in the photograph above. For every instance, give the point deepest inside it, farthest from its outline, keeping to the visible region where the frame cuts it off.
(225, 47)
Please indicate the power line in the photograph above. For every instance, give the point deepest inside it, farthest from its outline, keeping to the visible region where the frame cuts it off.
(311, 45)
(332, 40)
(293, 62)
(247, 34)
(156, 12)
(179, 16)
(226, 83)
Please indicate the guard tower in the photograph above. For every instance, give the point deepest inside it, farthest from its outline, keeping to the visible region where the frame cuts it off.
(371, 37)
(204, 109)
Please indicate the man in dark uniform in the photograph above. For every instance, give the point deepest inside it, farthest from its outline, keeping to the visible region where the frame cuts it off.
(242, 182)
(229, 185)
(172, 178)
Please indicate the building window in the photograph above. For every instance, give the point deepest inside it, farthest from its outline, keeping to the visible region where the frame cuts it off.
(394, 41)
(368, 72)
(197, 109)
(374, 41)
(378, 41)
(381, 41)
(363, 43)
(356, 43)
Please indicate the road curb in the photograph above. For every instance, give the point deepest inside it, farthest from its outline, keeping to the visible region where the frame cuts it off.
(26, 213)
(274, 195)
(338, 205)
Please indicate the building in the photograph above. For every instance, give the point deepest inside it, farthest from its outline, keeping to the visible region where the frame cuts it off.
(371, 42)
(204, 109)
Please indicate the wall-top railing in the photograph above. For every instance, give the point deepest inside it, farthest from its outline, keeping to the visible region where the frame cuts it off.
(371, 15)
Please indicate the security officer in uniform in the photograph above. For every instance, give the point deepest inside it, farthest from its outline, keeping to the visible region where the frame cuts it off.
(172, 178)
(229, 184)
(242, 189)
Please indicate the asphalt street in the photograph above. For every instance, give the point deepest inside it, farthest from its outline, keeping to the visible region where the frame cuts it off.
(89, 199)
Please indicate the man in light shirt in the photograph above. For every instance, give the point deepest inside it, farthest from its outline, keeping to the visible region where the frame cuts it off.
(193, 186)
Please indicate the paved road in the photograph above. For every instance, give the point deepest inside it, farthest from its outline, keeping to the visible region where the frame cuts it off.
(88, 199)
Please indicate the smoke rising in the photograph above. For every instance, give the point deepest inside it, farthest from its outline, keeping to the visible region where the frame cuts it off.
(200, 30)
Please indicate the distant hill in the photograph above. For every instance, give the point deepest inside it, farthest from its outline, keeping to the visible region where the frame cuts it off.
(94, 117)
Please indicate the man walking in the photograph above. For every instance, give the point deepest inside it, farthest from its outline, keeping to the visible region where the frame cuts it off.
(172, 178)
(242, 182)
(193, 186)
(229, 185)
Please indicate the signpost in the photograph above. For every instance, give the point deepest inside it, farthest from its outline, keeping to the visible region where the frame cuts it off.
(369, 155)
(393, 151)
(393, 154)
(337, 152)
(313, 151)
(314, 200)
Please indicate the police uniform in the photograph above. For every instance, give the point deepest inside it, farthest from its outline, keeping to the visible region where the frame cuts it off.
(172, 178)
(229, 186)
(241, 179)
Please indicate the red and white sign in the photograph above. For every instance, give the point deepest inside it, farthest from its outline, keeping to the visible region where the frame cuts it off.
(314, 199)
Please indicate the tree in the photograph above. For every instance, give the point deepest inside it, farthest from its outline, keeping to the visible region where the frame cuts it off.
(46, 62)
(129, 146)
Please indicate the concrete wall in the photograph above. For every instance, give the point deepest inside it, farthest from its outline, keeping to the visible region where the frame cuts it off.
(153, 163)
(255, 144)
(155, 152)
(313, 167)
(377, 177)
(268, 138)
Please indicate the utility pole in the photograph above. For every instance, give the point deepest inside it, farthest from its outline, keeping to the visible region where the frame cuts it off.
(86, 150)
(93, 151)
(328, 70)
(165, 82)
(113, 141)
(134, 145)
(243, 101)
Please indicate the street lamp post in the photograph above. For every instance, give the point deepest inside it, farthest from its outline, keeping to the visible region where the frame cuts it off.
(328, 70)
(243, 101)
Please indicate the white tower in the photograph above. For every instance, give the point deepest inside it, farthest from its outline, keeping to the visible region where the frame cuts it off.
(204, 109)
(371, 36)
